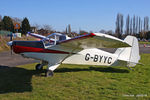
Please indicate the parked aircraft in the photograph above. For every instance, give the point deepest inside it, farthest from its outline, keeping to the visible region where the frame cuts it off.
(57, 49)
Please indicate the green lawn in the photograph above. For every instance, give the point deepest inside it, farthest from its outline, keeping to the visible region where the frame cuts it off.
(144, 42)
(75, 82)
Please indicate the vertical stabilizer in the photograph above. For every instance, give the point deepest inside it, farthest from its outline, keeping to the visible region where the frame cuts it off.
(129, 54)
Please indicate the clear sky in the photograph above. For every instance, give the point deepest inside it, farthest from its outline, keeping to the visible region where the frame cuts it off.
(90, 15)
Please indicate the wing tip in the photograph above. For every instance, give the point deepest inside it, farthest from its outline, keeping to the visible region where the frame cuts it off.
(92, 34)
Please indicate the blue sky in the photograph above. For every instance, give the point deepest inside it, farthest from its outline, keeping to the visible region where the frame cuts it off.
(90, 15)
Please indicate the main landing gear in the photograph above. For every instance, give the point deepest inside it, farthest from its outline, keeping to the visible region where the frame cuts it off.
(48, 73)
(39, 67)
(51, 68)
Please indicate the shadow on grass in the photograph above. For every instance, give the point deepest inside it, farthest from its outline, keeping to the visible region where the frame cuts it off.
(15, 79)
(100, 69)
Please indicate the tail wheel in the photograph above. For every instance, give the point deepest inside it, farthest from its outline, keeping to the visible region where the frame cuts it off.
(38, 67)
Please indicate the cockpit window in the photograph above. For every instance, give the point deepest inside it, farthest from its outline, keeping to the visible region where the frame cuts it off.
(61, 38)
(53, 39)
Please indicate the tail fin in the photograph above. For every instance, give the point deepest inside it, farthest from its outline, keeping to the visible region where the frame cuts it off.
(129, 54)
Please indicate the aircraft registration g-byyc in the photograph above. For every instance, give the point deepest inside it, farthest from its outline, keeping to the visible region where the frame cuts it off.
(57, 49)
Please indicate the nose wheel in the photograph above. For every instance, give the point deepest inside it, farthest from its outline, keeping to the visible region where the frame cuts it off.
(39, 67)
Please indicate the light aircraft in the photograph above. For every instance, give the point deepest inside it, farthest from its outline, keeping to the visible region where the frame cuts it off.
(57, 49)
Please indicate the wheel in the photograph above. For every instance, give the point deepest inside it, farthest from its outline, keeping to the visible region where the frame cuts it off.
(49, 73)
(38, 67)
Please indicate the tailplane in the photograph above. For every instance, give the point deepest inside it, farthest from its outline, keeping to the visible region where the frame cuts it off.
(129, 54)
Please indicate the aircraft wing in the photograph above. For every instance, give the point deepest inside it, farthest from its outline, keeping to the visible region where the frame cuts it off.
(93, 40)
(37, 35)
(41, 37)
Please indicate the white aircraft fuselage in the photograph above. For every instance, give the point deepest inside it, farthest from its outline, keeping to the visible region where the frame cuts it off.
(79, 50)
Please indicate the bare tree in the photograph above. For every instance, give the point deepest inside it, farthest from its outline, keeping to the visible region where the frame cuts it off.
(37, 26)
(47, 27)
(137, 25)
(146, 22)
(146, 26)
(0, 18)
(83, 32)
(102, 31)
(16, 20)
(69, 29)
(127, 25)
(141, 32)
(119, 25)
(134, 28)
(110, 32)
(66, 31)
(131, 26)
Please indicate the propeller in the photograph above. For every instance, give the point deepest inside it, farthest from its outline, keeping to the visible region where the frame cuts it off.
(11, 47)
(10, 43)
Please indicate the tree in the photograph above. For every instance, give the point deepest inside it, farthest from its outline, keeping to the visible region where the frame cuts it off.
(137, 25)
(0, 18)
(37, 26)
(42, 32)
(25, 26)
(16, 20)
(146, 26)
(7, 24)
(102, 31)
(1, 25)
(131, 29)
(134, 27)
(141, 30)
(119, 25)
(110, 32)
(66, 31)
(83, 32)
(148, 35)
(69, 29)
(128, 25)
(48, 28)
(146, 22)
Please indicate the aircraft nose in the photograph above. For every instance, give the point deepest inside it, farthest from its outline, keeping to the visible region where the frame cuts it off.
(10, 43)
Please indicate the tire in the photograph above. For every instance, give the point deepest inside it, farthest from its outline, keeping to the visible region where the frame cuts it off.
(49, 73)
(38, 67)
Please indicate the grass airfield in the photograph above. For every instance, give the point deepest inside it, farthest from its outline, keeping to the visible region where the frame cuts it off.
(76, 82)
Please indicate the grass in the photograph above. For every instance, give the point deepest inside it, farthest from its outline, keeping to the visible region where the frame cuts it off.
(4, 40)
(144, 42)
(75, 82)
(3, 44)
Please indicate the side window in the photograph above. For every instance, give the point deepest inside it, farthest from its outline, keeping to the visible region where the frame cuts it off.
(62, 38)
(47, 43)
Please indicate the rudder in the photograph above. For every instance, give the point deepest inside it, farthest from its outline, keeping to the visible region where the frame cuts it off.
(129, 54)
